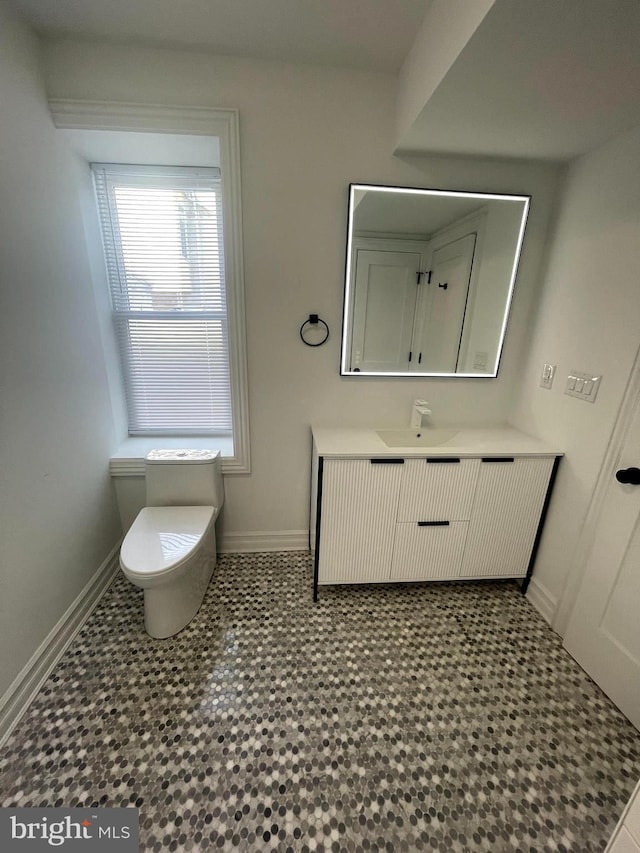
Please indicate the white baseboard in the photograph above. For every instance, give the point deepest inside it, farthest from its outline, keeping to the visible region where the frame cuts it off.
(264, 540)
(33, 675)
(542, 600)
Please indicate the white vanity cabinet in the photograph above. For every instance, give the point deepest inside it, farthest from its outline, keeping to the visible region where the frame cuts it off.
(394, 517)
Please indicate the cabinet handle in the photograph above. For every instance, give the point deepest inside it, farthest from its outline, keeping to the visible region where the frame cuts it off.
(442, 460)
(433, 524)
(385, 461)
(498, 459)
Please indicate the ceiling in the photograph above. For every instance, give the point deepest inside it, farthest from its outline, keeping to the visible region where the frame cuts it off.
(538, 79)
(420, 215)
(371, 35)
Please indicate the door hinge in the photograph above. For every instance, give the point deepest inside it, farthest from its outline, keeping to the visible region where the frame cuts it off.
(419, 275)
(410, 355)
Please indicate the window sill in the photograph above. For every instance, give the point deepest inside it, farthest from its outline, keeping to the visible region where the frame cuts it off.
(128, 460)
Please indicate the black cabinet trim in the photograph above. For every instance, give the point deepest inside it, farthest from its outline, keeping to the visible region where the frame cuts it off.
(433, 524)
(442, 460)
(387, 461)
(316, 561)
(498, 459)
(543, 515)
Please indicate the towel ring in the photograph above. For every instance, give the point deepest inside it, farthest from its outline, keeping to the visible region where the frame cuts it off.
(313, 320)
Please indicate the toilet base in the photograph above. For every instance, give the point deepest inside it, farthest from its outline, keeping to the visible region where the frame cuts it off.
(169, 607)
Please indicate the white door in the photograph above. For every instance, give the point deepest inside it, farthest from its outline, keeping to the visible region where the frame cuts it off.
(604, 631)
(446, 301)
(384, 310)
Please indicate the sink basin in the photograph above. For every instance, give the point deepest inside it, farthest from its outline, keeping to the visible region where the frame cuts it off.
(416, 437)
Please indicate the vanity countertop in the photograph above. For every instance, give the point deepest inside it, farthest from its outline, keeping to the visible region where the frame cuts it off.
(353, 443)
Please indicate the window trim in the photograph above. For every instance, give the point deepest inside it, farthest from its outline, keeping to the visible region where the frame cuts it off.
(201, 121)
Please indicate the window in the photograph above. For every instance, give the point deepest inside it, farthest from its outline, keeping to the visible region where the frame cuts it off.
(164, 247)
(111, 132)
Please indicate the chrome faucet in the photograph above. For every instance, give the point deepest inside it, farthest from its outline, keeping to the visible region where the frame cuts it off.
(419, 410)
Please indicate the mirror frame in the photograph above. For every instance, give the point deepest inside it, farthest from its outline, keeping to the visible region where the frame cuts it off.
(348, 285)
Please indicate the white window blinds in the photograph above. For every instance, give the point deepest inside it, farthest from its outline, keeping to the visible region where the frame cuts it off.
(163, 243)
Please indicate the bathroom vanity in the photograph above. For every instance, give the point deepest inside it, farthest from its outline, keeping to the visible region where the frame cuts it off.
(427, 505)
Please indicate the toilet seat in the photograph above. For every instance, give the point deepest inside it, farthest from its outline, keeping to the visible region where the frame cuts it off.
(162, 538)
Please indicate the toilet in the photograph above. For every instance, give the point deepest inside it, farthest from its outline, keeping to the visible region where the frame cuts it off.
(170, 549)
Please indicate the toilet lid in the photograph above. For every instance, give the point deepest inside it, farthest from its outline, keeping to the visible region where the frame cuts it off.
(163, 537)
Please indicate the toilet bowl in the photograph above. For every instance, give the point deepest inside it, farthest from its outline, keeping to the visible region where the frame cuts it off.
(170, 549)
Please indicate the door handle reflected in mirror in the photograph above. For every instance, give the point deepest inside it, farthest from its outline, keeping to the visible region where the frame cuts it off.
(629, 476)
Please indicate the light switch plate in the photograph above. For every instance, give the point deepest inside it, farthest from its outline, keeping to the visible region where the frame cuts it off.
(548, 372)
(584, 386)
(480, 360)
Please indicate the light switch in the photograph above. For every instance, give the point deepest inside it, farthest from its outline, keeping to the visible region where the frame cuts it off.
(548, 372)
(584, 386)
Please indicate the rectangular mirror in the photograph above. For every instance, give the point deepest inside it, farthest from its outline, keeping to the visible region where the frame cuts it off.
(429, 279)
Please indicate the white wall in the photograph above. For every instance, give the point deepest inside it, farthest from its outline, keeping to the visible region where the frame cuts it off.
(305, 134)
(445, 30)
(59, 519)
(589, 319)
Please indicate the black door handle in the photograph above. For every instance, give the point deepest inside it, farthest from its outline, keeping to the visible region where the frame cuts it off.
(630, 476)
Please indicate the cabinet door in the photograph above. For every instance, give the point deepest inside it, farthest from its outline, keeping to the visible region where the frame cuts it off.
(359, 500)
(428, 552)
(505, 516)
(438, 489)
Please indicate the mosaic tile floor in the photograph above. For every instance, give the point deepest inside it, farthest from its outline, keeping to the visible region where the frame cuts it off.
(432, 717)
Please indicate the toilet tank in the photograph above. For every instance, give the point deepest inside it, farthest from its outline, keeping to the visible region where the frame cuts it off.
(184, 478)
